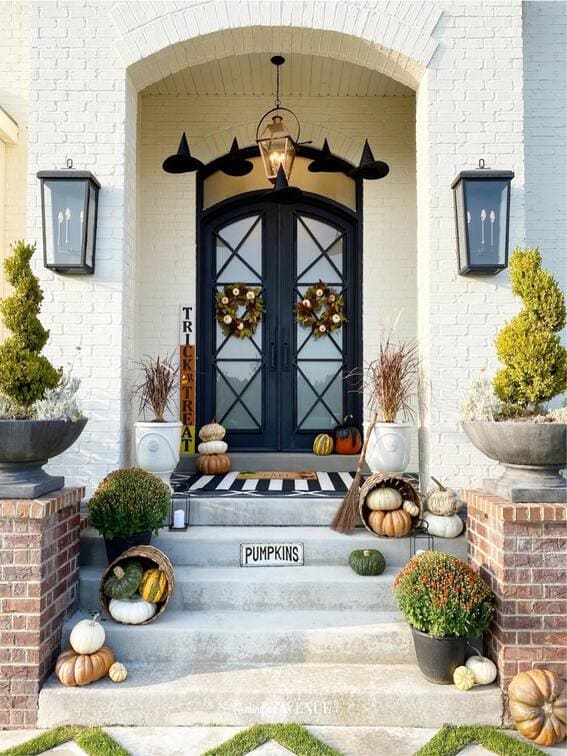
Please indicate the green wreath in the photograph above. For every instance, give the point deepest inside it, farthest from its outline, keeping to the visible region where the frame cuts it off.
(321, 309)
(232, 320)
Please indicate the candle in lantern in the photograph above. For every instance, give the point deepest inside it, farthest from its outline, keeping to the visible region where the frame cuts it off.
(179, 519)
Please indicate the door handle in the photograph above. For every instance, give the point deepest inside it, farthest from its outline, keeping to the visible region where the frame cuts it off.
(286, 355)
(273, 355)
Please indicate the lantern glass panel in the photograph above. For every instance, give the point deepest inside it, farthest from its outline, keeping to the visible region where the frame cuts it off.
(276, 148)
(486, 205)
(65, 203)
(91, 227)
(461, 225)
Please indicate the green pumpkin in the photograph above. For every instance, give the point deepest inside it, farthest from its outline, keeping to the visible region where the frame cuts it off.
(124, 580)
(367, 562)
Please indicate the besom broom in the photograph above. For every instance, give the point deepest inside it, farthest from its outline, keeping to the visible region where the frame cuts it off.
(345, 519)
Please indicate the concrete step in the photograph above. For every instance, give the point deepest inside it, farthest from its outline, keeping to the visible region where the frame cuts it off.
(263, 510)
(220, 547)
(265, 589)
(281, 461)
(338, 694)
(242, 638)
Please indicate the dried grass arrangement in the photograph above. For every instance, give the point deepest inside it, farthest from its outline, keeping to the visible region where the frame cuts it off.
(154, 393)
(391, 380)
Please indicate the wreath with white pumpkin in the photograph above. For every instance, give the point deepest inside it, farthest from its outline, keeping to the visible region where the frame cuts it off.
(322, 309)
(239, 309)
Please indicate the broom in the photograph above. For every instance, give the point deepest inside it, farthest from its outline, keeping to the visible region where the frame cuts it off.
(345, 519)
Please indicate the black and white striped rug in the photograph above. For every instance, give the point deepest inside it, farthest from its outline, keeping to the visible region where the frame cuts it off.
(323, 485)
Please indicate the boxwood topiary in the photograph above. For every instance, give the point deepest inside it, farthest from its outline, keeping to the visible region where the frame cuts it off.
(128, 502)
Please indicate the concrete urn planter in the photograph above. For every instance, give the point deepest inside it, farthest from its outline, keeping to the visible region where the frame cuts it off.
(532, 455)
(389, 447)
(157, 447)
(27, 445)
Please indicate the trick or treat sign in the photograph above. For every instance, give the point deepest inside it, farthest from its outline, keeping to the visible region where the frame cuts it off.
(187, 380)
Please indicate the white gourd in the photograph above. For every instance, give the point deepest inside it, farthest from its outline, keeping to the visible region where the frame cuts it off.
(118, 672)
(131, 611)
(442, 500)
(213, 447)
(212, 432)
(463, 678)
(385, 499)
(483, 669)
(443, 527)
(87, 637)
(411, 508)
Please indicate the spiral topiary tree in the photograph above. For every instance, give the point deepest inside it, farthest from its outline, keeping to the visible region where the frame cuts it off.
(535, 363)
(24, 373)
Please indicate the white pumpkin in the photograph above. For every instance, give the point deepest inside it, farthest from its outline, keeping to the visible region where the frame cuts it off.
(411, 508)
(483, 669)
(385, 499)
(444, 527)
(442, 500)
(212, 432)
(213, 447)
(118, 672)
(131, 611)
(463, 678)
(87, 637)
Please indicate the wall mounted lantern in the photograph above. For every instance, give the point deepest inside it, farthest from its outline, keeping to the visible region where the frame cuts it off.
(69, 208)
(482, 219)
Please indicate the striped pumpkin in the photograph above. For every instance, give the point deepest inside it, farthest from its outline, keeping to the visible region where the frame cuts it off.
(153, 587)
(323, 445)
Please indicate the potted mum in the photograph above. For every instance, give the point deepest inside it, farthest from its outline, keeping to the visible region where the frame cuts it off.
(157, 440)
(391, 383)
(508, 419)
(127, 507)
(39, 414)
(445, 602)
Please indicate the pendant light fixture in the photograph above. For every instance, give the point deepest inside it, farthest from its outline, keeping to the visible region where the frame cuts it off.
(277, 146)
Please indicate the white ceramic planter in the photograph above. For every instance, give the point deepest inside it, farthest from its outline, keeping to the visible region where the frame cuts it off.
(157, 447)
(389, 447)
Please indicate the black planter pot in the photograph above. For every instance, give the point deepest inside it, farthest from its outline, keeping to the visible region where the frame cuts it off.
(438, 658)
(115, 546)
(27, 445)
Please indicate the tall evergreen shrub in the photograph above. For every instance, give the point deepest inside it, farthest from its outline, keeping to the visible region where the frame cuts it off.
(25, 373)
(535, 363)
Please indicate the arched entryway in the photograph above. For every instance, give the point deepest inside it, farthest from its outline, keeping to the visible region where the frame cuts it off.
(277, 388)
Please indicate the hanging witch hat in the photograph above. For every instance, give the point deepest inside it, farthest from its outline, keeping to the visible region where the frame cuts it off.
(234, 164)
(282, 192)
(326, 162)
(182, 161)
(368, 168)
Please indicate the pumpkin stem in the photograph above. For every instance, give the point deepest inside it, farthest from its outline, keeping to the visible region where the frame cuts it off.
(366, 552)
(94, 619)
(119, 572)
(438, 484)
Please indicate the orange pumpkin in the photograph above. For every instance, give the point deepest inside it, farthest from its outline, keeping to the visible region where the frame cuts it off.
(81, 669)
(213, 464)
(348, 439)
(538, 706)
(392, 524)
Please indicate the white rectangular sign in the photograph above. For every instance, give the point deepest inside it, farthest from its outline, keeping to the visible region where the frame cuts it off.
(271, 554)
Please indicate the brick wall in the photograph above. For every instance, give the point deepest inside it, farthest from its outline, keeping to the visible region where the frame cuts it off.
(521, 551)
(39, 564)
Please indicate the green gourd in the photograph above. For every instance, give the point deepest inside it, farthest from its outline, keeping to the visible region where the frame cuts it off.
(124, 580)
(367, 562)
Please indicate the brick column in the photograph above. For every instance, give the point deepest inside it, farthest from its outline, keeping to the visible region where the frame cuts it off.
(39, 563)
(521, 551)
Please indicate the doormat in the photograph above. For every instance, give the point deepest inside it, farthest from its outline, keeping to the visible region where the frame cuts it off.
(236, 483)
(265, 475)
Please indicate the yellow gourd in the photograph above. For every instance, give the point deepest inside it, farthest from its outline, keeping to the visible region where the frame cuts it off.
(153, 587)
(463, 678)
(323, 445)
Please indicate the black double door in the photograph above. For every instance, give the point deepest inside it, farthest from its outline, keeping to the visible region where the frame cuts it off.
(276, 390)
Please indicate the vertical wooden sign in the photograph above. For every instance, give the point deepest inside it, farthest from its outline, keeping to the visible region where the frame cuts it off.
(187, 381)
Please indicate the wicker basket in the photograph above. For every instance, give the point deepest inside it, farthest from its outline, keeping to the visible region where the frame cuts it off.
(389, 480)
(150, 557)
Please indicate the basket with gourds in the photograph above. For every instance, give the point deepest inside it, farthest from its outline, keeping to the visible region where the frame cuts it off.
(213, 459)
(135, 589)
(389, 505)
(442, 519)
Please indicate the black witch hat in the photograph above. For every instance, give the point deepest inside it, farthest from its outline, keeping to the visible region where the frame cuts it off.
(326, 162)
(182, 161)
(282, 192)
(234, 164)
(368, 168)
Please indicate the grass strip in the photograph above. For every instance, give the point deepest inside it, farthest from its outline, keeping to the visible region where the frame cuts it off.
(293, 737)
(93, 741)
(96, 742)
(451, 740)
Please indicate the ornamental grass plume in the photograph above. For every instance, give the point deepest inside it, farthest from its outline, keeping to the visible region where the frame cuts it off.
(444, 597)
(128, 502)
(391, 379)
(154, 393)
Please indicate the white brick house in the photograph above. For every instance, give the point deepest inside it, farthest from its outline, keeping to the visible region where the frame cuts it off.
(434, 86)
